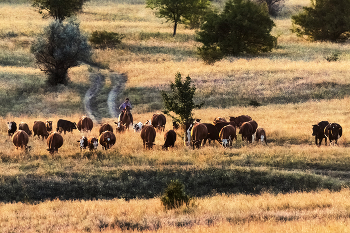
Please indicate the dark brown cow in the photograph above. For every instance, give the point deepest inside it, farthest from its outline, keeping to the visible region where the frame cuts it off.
(48, 126)
(247, 131)
(319, 133)
(333, 131)
(54, 141)
(107, 140)
(219, 119)
(241, 119)
(12, 127)
(105, 127)
(92, 143)
(213, 133)
(198, 133)
(64, 125)
(20, 139)
(158, 121)
(24, 126)
(261, 135)
(227, 134)
(39, 128)
(169, 139)
(254, 125)
(220, 125)
(148, 135)
(85, 124)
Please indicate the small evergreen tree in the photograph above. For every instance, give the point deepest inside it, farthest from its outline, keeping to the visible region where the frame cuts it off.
(174, 195)
(104, 39)
(325, 20)
(58, 9)
(59, 48)
(243, 27)
(180, 101)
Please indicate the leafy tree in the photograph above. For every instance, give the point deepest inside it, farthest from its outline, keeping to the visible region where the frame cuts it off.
(180, 101)
(59, 48)
(58, 9)
(325, 20)
(242, 27)
(179, 11)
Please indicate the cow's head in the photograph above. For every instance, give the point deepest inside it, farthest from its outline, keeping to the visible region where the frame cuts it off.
(9, 125)
(48, 125)
(74, 126)
(94, 142)
(148, 122)
(315, 130)
(137, 127)
(83, 142)
(336, 130)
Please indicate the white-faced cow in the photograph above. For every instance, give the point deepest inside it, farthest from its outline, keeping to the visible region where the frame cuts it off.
(64, 125)
(83, 143)
(246, 130)
(105, 127)
(12, 127)
(107, 140)
(261, 135)
(54, 141)
(85, 124)
(227, 134)
(120, 128)
(138, 127)
(198, 133)
(39, 128)
(148, 135)
(20, 139)
(319, 132)
(333, 131)
(158, 121)
(169, 139)
(24, 126)
(92, 143)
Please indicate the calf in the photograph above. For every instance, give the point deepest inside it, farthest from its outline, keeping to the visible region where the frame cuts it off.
(64, 125)
(261, 135)
(333, 131)
(105, 127)
(227, 134)
(319, 132)
(39, 128)
(169, 139)
(92, 143)
(148, 135)
(54, 141)
(247, 131)
(137, 127)
(20, 139)
(83, 142)
(24, 126)
(12, 127)
(198, 133)
(120, 128)
(107, 140)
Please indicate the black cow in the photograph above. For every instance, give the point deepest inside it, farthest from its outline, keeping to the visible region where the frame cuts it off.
(64, 125)
(318, 132)
(213, 133)
(169, 139)
(12, 128)
(333, 131)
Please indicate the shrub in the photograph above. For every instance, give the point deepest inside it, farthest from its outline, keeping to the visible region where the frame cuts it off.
(104, 39)
(325, 20)
(174, 195)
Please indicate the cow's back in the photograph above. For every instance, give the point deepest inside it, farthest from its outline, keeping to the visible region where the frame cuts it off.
(54, 141)
(246, 129)
(24, 126)
(39, 128)
(20, 138)
(228, 132)
(85, 124)
(105, 127)
(199, 132)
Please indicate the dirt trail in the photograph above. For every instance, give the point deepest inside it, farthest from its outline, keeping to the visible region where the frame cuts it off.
(97, 80)
(118, 85)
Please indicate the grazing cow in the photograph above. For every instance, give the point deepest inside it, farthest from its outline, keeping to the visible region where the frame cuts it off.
(85, 124)
(247, 131)
(219, 119)
(148, 135)
(137, 127)
(213, 133)
(92, 143)
(48, 125)
(54, 141)
(39, 128)
(241, 119)
(83, 142)
(319, 133)
(12, 127)
(24, 126)
(198, 133)
(254, 124)
(261, 135)
(120, 128)
(227, 134)
(220, 125)
(107, 140)
(105, 127)
(158, 121)
(169, 139)
(20, 139)
(64, 125)
(333, 131)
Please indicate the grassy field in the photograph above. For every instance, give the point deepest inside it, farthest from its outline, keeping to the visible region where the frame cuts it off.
(290, 185)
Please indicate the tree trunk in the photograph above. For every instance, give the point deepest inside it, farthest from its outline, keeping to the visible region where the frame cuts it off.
(175, 26)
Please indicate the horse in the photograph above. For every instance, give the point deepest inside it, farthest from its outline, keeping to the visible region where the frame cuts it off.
(126, 118)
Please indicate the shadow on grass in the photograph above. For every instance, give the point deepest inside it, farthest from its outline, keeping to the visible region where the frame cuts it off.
(149, 183)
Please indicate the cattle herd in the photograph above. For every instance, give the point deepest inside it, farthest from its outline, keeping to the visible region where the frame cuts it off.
(196, 133)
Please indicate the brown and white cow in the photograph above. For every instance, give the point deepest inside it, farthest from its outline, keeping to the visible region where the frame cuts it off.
(39, 128)
(319, 132)
(12, 127)
(24, 126)
(120, 127)
(240, 119)
(261, 135)
(246, 130)
(148, 135)
(169, 139)
(92, 143)
(54, 141)
(105, 127)
(158, 121)
(107, 140)
(85, 124)
(198, 133)
(83, 143)
(137, 127)
(333, 131)
(20, 139)
(48, 126)
(227, 134)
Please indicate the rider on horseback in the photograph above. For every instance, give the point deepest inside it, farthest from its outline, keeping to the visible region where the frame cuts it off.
(123, 108)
